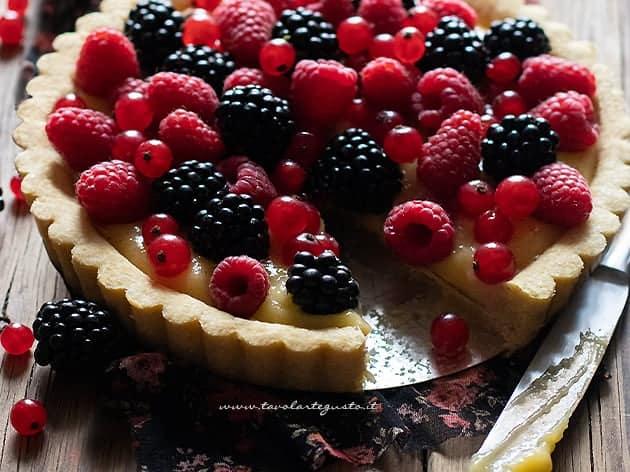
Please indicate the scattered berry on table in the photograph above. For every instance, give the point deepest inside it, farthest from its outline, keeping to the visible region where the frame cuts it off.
(504, 69)
(106, 59)
(308, 32)
(132, 111)
(289, 177)
(75, 335)
(522, 37)
(155, 29)
(354, 35)
(239, 285)
(544, 76)
(572, 116)
(246, 26)
(28, 417)
(185, 189)
(288, 217)
(200, 29)
(201, 61)
(231, 225)
(16, 339)
(423, 18)
(409, 45)
(69, 100)
(449, 334)
(387, 84)
(458, 8)
(475, 197)
(82, 136)
(519, 145)
(158, 224)
(11, 28)
(113, 192)
(125, 145)
(508, 103)
(383, 45)
(493, 226)
(16, 188)
(169, 255)
(493, 263)
(403, 144)
(419, 232)
(277, 57)
(355, 173)
(452, 44)
(322, 285)
(386, 16)
(565, 197)
(153, 158)
(469, 119)
(316, 244)
(247, 177)
(244, 76)
(517, 197)
(190, 138)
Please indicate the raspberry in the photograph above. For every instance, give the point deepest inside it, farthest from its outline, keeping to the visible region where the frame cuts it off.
(190, 138)
(442, 92)
(572, 117)
(239, 285)
(245, 26)
(565, 197)
(83, 137)
(106, 59)
(245, 176)
(113, 192)
(168, 91)
(322, 91)
(546, 75)
(386, 16)
(387, 84)
(466, 118)
(453, 8)
(450, 159)
(419, 232)
(129, 85)
(247, 76)
(333, 11)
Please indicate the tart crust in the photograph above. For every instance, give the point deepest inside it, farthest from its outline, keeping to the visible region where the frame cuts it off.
(273, 354)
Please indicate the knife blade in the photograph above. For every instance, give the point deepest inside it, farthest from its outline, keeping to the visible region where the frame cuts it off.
(555, 381)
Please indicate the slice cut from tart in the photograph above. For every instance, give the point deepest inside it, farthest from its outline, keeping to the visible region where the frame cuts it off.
(246, 281)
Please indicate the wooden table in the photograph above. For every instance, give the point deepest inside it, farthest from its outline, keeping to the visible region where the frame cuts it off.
(80, 437)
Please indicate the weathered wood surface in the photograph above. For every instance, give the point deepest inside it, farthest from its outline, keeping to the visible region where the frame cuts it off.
(80, 437)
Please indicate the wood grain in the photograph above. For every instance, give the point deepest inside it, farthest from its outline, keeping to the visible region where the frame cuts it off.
(81, 437)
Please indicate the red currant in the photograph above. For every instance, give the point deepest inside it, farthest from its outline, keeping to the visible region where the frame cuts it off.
(157, 225)
(316, 244)
(409, 45)
(19, 6)
(305, 149)
(403, 144)
(288, 177)
(423, 18)
(382, 46)
(277, 57)
(504, 68)
(126, 144)
(11, 28)
(28, 417)
(70, 100)
(508, 103)
(492, 226)
(153, 158)
(201, 29)
(359, 114)
(207, 4)
(449, 334)
(384, 122)
(517, 197)
(16, 339)
(354, 35)
(169, 255)
(132, 111)
(493, 263)
(16, 188)
(475, 197)
(288, 216)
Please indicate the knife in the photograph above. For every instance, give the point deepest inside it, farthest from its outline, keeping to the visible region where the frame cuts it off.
(538, 411)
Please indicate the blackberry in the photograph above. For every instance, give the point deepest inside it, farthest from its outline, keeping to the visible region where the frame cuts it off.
(453, 44)
(356, 173)
(201, 61)
(185, 189)
(155, 29)
(255, 122)
(232, 225)
(1, 200)
(522, 37)
(518, 146)
(322, 285)
(308, 32)
(409, 4)
(75, 335)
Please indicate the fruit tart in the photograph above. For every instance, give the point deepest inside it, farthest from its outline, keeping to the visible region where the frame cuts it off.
(181, 165)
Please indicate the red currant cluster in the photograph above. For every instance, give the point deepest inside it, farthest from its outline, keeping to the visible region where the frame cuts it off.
(12, 23)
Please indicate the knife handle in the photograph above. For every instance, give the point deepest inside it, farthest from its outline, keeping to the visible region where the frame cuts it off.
(618, 253)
